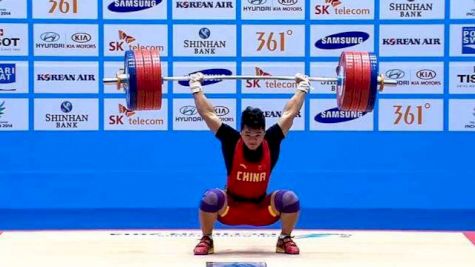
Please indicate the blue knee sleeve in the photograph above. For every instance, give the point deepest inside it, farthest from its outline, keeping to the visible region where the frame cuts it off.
(286, 201)
(212, 200)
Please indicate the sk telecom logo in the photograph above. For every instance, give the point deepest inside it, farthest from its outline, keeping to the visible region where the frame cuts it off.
(125, 39)
(272, 84)
(254, 83)
(260, 72)
(339, 9)
(126, 111)
(334, 3)
(324, 9)
(118, 119)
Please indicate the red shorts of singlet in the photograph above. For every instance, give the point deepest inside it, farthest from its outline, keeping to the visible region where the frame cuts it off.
(248, 213)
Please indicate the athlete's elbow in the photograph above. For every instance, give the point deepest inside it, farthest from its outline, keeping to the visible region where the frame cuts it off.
(290, 114)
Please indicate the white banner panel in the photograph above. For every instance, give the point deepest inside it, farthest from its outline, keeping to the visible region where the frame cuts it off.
(331, 40)
(135, 9)
(410, 10)
(186, 117)
(204, 40)
(273, 40)
(342, 10)
(13, 39)
(14, 9)
(260, 86)
(66, 40)
(66, 77)
(120, 38)
(118, 117)
(273, 9)
(462, 115)
(325, 116)
(64, 9)
(14, 114)
(411, 40)
(462, 9)
(210, 9)
(414, 77)
(462, 77)
(72, 114)
(411, 115)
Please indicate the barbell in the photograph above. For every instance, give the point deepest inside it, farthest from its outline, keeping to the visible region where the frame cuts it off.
(357, 80)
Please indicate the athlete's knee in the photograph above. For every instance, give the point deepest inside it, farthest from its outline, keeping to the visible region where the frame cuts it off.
(213, 200)
(286, 201)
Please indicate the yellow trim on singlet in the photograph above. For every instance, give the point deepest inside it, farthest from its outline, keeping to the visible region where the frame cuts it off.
(271, 211)
(225, 211)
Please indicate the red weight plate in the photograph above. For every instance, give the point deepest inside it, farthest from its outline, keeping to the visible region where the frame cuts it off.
(140, 79)
(340, 88)
(366, 81)
(340, 85)
(151, 90)
(147, 60)
(356, 95)
(154, 80)
(157, 69)
(144, 85)
(373, 82)
(345, 95)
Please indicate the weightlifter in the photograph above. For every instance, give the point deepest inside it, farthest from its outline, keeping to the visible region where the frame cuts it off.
(249, 155)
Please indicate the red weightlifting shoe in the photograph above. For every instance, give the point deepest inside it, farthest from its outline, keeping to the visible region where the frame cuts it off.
(287, 245)
(205, 246)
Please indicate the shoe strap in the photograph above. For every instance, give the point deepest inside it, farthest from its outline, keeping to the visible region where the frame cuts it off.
(204, 242)
(288, 241)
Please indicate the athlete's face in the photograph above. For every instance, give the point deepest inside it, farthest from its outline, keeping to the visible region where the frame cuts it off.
(252, 137)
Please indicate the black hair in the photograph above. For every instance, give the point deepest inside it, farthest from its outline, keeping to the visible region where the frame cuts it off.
(253, 118)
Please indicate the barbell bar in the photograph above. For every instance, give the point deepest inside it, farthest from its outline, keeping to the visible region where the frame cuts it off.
(123, 78)
(357, 80)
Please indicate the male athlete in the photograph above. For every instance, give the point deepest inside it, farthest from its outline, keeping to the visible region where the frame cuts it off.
(250, 156)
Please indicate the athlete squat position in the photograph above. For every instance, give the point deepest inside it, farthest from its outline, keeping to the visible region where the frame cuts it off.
(250, 156)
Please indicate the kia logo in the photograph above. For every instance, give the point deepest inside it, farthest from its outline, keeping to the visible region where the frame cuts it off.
(395, 74)
(426, 74)
(81, 37)
(50, 37)
(288, 2)
(221, 110)
(257, 2)
(188, 110)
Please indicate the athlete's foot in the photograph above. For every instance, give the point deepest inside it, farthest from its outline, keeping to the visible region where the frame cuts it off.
(286, 245)
(205, 246)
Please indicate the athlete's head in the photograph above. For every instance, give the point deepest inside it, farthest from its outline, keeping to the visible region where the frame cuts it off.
(253, 124)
